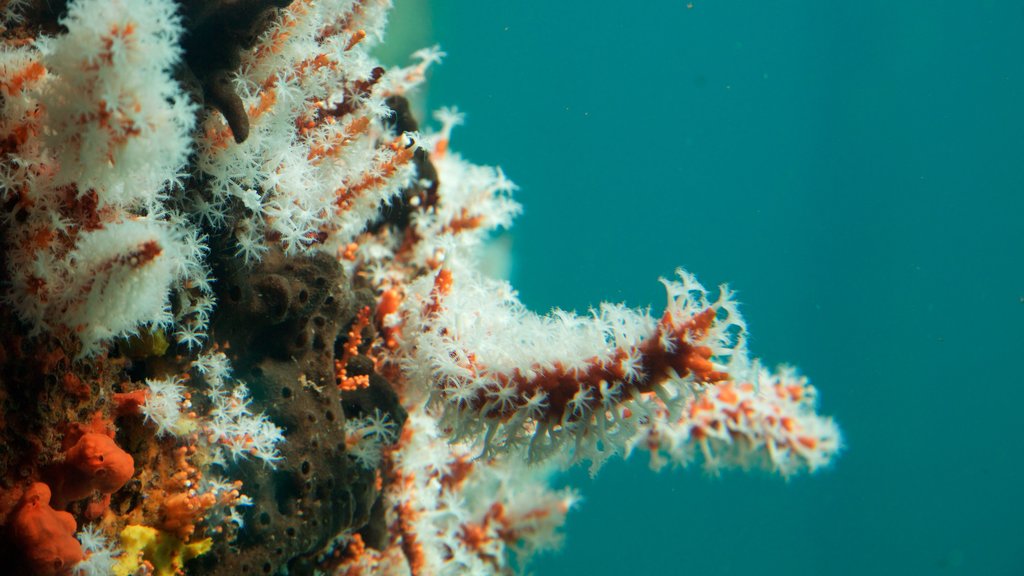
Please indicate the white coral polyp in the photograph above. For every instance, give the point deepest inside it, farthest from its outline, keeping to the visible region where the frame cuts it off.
(116, 119)
(121, 277)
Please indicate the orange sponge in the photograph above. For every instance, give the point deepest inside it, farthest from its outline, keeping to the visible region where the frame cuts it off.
(94, 462)
(46, 536)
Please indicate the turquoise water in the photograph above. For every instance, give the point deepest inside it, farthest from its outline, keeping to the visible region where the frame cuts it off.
(856, 171)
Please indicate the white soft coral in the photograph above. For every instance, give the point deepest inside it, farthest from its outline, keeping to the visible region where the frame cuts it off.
(116, 118)
(119, 278)
(319, 159)
(100, 553)
(163, 405)
(230, 427)
(102, 131)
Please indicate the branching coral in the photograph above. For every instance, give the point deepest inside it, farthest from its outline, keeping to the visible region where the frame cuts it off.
(400, 412)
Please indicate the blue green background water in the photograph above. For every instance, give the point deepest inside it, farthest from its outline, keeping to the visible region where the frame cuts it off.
(856, 171)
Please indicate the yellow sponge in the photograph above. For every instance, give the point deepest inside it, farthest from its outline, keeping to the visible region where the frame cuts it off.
(165, 553)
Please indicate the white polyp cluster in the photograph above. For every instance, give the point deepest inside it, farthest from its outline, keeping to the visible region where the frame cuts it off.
(516, 382)
(319, 159)
(118, 279)
(480, 195)
(226, 510)
(164, 406)
(13, 12)
(367, 436)
(446, 493)
(762, 419)
(116, 119)
(101, 131)
(232, 430)
(100, 554)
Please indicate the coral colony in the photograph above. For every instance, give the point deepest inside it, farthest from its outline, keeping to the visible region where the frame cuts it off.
(244, 331)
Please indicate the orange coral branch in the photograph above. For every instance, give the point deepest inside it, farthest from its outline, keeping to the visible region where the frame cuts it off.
(351, 350)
